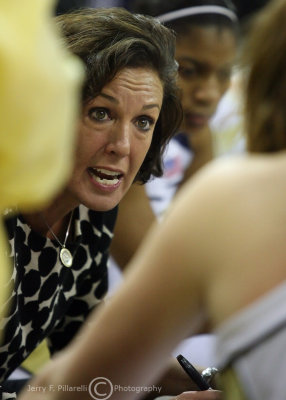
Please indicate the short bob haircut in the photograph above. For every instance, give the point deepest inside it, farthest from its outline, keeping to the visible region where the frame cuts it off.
(265, 56)
(108, 40)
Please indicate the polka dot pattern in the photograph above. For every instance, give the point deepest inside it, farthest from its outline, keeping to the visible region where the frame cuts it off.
(49, 300)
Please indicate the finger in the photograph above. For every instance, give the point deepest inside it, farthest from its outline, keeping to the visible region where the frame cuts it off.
(201, 395)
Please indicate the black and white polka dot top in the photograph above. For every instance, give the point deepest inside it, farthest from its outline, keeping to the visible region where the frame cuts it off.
(49, 300)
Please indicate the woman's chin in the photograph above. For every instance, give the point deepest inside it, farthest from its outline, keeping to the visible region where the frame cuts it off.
(103, 202)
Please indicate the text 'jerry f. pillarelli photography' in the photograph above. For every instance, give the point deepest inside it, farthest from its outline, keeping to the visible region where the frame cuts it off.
(100, 388)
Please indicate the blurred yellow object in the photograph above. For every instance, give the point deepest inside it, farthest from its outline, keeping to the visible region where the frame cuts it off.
(37, 358)
(39, 103)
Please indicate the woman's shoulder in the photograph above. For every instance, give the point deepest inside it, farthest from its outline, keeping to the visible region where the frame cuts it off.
(240, 176)
(232, 191)
(218, 179)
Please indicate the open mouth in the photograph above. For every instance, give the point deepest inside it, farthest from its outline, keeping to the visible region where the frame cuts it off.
(104, 176)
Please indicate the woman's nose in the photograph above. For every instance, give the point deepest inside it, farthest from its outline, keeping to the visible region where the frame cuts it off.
(208, 91)
(119, 140)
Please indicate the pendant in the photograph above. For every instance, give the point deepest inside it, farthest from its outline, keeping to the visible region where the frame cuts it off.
(66, 257)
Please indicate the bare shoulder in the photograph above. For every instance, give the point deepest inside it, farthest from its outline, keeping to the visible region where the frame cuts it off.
(216, 183)
(208, 203)
(236, 179)
(230, 204)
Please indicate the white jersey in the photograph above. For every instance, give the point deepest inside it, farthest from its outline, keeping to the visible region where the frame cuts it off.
(253, 343)
(176, 159)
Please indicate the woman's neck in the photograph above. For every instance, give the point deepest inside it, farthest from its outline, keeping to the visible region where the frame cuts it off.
(54, 218)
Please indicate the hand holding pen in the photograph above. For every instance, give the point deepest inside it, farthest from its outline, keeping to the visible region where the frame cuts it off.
(201, 380)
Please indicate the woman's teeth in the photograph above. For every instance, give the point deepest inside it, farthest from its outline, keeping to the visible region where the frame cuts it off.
(104, 176)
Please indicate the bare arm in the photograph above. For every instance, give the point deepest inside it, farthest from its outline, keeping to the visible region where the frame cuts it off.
(202, 146)
(135, 217)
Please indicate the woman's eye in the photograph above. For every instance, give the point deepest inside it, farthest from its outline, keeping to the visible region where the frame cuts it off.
(144, 123)
(99, 114)
(186, 72)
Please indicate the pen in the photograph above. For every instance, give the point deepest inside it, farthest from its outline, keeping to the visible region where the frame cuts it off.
(193, 373)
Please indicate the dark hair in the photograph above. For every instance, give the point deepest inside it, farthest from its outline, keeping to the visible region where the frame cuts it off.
(265, 53)
(159, 7)
(108, 40)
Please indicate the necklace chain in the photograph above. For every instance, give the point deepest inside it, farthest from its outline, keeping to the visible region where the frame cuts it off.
(65, 255)
(53, 233)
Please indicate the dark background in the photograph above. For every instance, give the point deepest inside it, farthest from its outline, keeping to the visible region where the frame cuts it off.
(244, 8)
